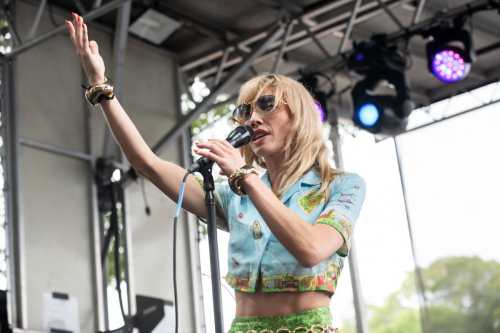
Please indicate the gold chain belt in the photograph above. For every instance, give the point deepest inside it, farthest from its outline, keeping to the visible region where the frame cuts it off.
(300, 329)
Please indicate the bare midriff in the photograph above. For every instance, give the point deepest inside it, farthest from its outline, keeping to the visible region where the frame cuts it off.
(264, 304)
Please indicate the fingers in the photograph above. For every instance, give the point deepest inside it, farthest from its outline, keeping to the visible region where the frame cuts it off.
(221, 144)
(79, 36)
(79, 29)
(85, 38)
(215, 148)
(71, 32)
(75, 22)
(94, 49)
(210, 155)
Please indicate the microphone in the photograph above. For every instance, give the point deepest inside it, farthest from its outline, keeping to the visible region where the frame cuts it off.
(237, 138)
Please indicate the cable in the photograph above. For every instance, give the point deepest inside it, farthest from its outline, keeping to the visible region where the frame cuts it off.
(114, 220)
(177, 210)
(148, 210)
(206, 275)
(127, 327)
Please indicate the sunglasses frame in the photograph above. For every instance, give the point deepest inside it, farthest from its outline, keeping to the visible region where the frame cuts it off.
(252, 107)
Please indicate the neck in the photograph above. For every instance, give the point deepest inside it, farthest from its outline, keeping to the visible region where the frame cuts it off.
(274, 166)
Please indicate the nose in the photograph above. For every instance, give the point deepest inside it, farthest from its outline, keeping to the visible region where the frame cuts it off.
(255, 119)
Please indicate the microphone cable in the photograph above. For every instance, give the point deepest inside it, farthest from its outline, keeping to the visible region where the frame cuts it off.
(177, 210)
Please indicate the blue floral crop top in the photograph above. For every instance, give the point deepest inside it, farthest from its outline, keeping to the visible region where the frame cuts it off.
(254, 250)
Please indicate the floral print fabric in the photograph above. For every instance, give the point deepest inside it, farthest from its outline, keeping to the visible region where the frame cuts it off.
(254, 250)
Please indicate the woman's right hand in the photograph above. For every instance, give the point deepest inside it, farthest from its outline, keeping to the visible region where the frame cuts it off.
(87, 52)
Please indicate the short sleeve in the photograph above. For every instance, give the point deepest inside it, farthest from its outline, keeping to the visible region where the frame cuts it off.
(222, 195)
(342, 209)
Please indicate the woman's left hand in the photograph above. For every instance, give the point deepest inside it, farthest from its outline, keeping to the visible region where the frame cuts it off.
(221, 152)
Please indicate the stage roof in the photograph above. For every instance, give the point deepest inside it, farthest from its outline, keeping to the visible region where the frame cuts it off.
(214, 29)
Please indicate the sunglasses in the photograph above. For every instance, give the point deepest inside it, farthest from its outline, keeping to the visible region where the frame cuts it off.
(264, 105)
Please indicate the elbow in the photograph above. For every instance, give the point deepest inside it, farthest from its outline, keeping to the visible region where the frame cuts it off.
(144, 168)
(310, 259)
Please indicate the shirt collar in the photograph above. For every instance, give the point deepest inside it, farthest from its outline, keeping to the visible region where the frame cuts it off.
(310, 178)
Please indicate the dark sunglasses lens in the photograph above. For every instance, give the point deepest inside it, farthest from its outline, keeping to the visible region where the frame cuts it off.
(265, 103)
(241, 113)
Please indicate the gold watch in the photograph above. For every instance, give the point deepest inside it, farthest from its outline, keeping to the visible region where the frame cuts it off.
(237, 175)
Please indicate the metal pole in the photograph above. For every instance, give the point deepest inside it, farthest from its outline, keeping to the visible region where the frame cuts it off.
(221, 67)
(207, 103)
(89, 17)
(81, 7)
(391, 14)
(54, 149)
(359, 304)
(314, 38)
(348, 30)
(424, 315)
(15, 223)
(96, 4)
(127, 255)
(418, 12)
(12, 27)
(289, 29)
(192, 221)
(95, 230)
(38, 16)
(119, 52)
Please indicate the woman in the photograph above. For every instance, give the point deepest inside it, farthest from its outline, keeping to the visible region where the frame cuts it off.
(290, 229)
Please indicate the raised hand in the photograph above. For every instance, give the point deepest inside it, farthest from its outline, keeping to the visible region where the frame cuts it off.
(92, 62)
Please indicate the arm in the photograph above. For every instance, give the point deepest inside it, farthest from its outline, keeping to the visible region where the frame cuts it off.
(166, 176)
(308, 244)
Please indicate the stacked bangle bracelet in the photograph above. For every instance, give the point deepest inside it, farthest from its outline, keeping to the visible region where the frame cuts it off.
(237, 175)
(95, 94)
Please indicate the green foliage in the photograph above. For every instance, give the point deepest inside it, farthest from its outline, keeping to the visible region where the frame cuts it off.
(205, 120)
(463, 295)
(393, 317)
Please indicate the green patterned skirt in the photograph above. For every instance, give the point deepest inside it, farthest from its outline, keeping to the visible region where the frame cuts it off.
(316, 320)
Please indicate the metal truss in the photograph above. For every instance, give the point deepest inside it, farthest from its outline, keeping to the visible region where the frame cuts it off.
(14, 225)
(309, 32)
(415, 29)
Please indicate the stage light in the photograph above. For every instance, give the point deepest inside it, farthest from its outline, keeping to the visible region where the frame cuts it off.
(320, 97)
(449, 65)
(368, 114)
(321, 112)
(383, 115)
(154, 26)
(450, 54)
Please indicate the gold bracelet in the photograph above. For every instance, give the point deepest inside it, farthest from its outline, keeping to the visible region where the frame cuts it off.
(95, 94)
(237, 175)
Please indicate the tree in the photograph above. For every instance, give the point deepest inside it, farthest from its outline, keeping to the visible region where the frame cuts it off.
(463, 295)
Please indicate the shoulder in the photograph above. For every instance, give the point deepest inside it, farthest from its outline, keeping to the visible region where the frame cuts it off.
(344, 179)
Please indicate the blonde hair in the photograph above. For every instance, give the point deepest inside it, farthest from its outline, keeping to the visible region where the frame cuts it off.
(305, 150)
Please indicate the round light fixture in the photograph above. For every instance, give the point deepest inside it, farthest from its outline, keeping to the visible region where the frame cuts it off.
(448, 65)
(368, 114)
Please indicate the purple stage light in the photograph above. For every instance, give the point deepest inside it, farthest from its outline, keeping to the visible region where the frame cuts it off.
(321, 113)
(449, 66)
